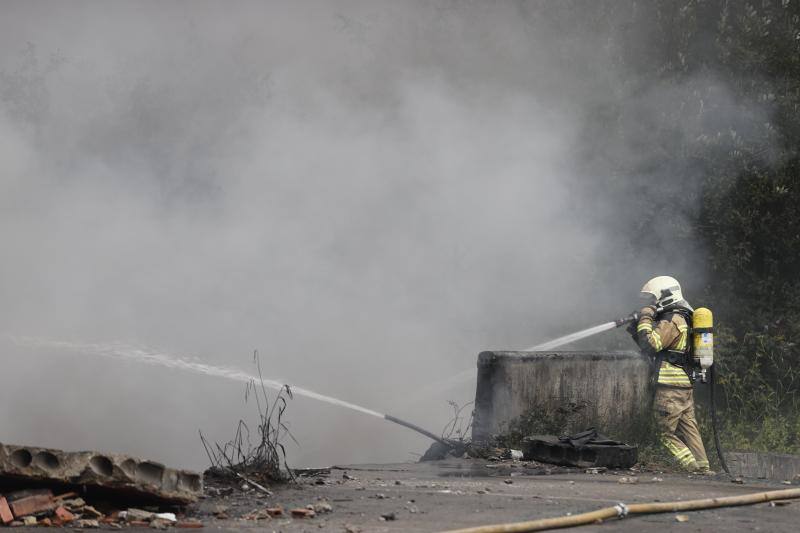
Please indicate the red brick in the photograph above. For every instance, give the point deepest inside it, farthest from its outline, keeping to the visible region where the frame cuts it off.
(32, 505)
(189, 524)
(6, 517)
(63, 515)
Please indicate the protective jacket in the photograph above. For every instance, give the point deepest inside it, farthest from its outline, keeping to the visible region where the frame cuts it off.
(666, 337)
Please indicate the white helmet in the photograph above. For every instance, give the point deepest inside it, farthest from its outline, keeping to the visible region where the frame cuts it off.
(663, 291)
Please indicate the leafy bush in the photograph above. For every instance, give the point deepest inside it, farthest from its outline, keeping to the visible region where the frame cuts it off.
(727, 194)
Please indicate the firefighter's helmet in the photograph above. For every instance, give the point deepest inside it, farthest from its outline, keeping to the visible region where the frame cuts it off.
(662, 291)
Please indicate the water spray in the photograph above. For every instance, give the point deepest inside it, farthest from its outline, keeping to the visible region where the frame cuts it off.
(160, 358)
(154, 357)
(572, 337)
(469, 373)
(584, 333)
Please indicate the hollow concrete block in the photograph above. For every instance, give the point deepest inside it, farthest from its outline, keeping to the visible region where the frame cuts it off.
(113, 472)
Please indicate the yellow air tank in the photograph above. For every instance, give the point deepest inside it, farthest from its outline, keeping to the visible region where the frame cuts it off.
(703, 340)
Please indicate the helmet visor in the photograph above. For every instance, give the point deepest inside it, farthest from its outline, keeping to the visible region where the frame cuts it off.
(647, 298)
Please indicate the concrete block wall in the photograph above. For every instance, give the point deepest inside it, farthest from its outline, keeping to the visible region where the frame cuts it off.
(611, 389)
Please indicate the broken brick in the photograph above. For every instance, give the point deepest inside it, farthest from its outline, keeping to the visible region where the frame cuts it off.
(63, 515)
(303, 513)
(6, 517)
(32, 505)
(189, 524)
(46, 522)
(274, 511)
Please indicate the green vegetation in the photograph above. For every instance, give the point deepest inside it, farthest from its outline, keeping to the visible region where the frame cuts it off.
(760, 379)
(697, 152)
(542, 421)
(724, 188)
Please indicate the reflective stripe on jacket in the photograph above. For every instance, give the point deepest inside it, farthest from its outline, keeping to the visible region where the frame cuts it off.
(665, 335)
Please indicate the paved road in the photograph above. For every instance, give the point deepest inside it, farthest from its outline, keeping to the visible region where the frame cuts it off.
(461, 493)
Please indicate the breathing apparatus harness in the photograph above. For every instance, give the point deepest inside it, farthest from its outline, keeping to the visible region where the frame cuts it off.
(681, 358)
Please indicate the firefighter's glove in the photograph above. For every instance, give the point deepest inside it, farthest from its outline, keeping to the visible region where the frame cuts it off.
(631, 329)
(648, 311)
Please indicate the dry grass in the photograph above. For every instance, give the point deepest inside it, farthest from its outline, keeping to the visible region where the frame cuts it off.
(265, 459)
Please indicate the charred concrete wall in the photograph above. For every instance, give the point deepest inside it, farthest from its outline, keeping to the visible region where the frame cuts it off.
(607, 390)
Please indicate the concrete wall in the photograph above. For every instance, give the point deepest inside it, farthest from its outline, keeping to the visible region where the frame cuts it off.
(607, 390)
(779, 467)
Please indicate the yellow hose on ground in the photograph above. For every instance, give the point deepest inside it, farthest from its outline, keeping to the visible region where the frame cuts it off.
(621, 511)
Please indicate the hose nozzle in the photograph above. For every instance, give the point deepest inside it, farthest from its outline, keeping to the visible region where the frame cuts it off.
(633, 317)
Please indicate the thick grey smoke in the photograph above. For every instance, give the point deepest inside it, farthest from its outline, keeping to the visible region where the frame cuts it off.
(369, 193)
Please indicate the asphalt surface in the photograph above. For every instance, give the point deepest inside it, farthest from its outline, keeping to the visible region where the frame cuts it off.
(457, 493)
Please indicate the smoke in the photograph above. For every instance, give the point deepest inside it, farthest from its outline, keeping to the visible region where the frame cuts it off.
(369, 193)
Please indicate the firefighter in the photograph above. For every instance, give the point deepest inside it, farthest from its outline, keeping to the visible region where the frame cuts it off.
(662, 331)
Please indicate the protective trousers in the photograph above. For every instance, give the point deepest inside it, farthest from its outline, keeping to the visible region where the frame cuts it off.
(679, 432)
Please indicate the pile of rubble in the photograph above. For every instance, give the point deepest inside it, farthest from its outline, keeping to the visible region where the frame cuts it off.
(227, 497)
(32, 465)
(49, 487)
(46, 487)
(39, 507)
(309, 511)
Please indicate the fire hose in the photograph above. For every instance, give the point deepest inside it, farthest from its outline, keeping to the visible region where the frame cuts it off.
(712, 378)
(622, 510)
